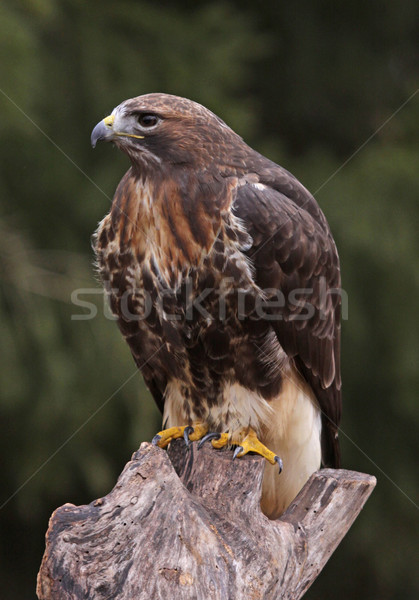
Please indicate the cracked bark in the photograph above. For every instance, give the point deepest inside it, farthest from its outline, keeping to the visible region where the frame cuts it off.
(188, 525)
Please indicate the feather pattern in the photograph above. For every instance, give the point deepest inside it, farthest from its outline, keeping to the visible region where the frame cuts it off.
(222, 272)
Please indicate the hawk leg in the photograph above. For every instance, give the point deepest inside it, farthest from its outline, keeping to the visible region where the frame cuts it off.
(190, 433)
(246, 441)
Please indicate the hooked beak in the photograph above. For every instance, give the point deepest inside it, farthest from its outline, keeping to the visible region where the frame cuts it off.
(103, 131)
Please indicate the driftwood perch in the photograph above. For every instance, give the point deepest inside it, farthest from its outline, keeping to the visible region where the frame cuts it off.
(188, 525)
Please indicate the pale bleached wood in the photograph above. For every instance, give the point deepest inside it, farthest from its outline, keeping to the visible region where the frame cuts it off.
(188, 525)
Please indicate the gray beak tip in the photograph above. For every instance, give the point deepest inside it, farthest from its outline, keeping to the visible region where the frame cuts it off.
(100, 132)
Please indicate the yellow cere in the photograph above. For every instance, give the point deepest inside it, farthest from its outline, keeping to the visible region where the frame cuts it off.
(109, 121)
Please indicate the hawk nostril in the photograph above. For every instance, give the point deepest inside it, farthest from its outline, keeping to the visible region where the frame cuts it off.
(109, 120)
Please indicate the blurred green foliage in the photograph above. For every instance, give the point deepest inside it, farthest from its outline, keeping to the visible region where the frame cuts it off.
(307, 84)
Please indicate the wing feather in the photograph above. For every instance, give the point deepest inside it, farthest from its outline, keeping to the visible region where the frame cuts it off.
(293, 251)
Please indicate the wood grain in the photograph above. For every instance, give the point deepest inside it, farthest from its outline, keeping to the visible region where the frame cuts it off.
(187, 524)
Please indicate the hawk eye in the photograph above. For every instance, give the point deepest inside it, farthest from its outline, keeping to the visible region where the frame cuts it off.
(148, 120)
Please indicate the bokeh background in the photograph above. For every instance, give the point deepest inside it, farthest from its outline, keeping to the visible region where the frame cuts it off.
(327, 90)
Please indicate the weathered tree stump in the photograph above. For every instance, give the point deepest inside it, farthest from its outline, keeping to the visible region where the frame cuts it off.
(188, 525)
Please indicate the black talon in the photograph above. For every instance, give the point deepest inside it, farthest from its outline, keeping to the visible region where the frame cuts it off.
(237, 451)
(188, 430)
(279, 462)
(156, 439)
(208, 436)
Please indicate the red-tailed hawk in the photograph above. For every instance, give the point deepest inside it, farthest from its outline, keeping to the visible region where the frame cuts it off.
(225, 279)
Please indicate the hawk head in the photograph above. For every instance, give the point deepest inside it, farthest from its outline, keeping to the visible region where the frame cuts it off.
(162, 130)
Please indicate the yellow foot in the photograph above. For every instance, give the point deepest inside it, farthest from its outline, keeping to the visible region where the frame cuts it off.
(190, 433)
(250, 443)
(218, 440)
(246, 441)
